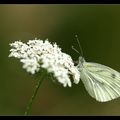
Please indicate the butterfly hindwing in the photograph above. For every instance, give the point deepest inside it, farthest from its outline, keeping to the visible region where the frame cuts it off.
(101, 82)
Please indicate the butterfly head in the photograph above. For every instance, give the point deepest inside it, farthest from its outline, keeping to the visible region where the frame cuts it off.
(80, 63)
(81, 60)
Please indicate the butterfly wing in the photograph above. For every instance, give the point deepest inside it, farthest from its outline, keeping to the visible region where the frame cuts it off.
(101, 82)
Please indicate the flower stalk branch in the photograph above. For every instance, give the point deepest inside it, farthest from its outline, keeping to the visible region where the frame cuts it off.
(29, 106)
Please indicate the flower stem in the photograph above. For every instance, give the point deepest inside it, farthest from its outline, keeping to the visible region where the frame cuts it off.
(28, 109)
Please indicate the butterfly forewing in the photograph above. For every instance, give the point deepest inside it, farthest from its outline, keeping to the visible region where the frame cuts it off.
(101, 82)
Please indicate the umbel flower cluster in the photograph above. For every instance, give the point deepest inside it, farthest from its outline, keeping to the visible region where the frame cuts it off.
(38, 54)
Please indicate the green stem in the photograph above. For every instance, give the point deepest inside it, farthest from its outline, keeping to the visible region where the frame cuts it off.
(28, 109)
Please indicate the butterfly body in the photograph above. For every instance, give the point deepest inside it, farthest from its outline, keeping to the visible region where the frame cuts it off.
(101, 82)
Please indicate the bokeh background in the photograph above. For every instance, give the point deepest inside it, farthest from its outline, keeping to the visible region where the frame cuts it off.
(98, 28)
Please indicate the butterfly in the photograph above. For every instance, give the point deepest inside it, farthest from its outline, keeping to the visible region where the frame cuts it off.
(101, 82)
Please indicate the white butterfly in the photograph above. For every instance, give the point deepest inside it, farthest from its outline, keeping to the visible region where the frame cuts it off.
(101, 82)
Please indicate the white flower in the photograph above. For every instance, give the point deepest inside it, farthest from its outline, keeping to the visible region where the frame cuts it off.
(38, 54)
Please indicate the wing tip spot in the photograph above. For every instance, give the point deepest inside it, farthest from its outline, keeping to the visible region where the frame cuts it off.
(113, 75)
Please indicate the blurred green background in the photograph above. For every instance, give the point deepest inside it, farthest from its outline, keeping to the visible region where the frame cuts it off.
(98, 28)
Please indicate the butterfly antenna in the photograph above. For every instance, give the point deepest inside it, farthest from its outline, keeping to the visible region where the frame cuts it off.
(75, 50)
(79, 45)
